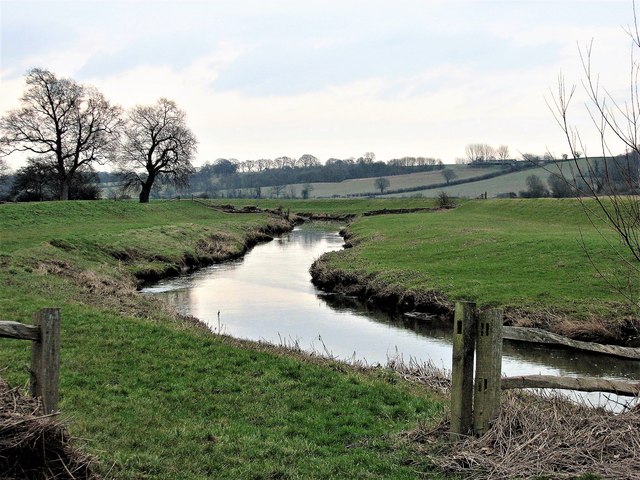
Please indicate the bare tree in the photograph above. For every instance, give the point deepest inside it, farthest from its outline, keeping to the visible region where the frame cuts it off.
(367, 159)
(63, 122)
(611, 180)
(479, 152)
(448, 174)
(277, 190)
(307, 160)
(382, 184)
(307, 188)
(38, 180)
(157, 145)
(5, 171)
(535, 188)
(502, 152)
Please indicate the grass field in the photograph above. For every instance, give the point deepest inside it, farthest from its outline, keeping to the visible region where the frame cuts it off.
(522, 254)
(503, 184)
(360, 186)
(157, 397)
(366, 185)
(510, 182)
(515, 182)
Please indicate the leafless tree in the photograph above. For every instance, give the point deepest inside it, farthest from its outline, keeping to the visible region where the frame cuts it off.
(448, 174)
(68, 124)
(276, 190)
(157, 145)
(280, 162)
(382, 184)
(307, 160)
(611, 180)
(479, 152)
(4, 171)
(307, 188)
(264, 164)
(502, 152)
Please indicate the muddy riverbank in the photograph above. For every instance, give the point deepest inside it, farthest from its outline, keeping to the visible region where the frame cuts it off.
(214, 249)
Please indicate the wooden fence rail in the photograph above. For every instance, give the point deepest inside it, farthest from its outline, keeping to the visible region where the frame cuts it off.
(45, 353)
(479, 335)
(536, 335)
(583, 384)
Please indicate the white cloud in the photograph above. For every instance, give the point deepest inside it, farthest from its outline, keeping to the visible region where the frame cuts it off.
(431, 101)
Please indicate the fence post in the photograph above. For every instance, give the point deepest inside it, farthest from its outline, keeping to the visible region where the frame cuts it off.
(45, 358)
(464, 326)
(486, 397)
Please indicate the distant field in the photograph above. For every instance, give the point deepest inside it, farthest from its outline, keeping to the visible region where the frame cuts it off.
(366, 185)
(510, 182)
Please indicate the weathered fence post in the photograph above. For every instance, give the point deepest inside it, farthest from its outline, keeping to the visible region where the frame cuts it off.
(486, 397)
(45, 358)
(464, 326)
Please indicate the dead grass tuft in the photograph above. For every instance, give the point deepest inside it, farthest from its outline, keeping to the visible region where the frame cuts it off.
(52, 267)
(428, 374)
(542, 435)
(590, 329)
(36, 446)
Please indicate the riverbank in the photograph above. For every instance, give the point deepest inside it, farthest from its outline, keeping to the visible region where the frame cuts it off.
(154, 394)
(540, 260)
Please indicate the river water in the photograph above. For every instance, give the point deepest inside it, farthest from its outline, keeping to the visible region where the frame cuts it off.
(268, 295)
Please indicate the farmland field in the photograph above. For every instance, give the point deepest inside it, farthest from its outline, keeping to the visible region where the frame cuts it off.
(366, 185)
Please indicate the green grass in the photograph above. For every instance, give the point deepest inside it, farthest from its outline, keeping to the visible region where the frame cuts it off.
(157, 398)
(515, 253)
(27, 224)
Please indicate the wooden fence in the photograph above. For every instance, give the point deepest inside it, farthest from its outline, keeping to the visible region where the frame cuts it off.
(45, 353)
(476, 402)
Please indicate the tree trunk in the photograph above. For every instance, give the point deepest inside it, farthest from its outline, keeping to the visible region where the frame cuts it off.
(144, 193)
(64, 190)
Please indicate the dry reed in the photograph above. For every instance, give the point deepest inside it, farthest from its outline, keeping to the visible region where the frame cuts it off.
(36, 446)
(542, 435)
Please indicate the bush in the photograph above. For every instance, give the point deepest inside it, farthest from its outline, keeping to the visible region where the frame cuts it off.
(444, 201)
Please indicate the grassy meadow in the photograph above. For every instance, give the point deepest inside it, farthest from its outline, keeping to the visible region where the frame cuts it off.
(155, 396)
(525, 254)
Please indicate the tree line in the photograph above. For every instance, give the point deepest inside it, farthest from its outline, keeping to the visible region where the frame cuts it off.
(247, 179)
(604, 176)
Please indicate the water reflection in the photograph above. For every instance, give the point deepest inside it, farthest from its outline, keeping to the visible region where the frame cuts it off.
(269, 296)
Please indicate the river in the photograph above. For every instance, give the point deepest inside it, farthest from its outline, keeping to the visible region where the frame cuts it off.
(268, 295)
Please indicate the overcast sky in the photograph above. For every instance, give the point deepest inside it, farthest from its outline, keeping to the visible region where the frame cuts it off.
(264, 78)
